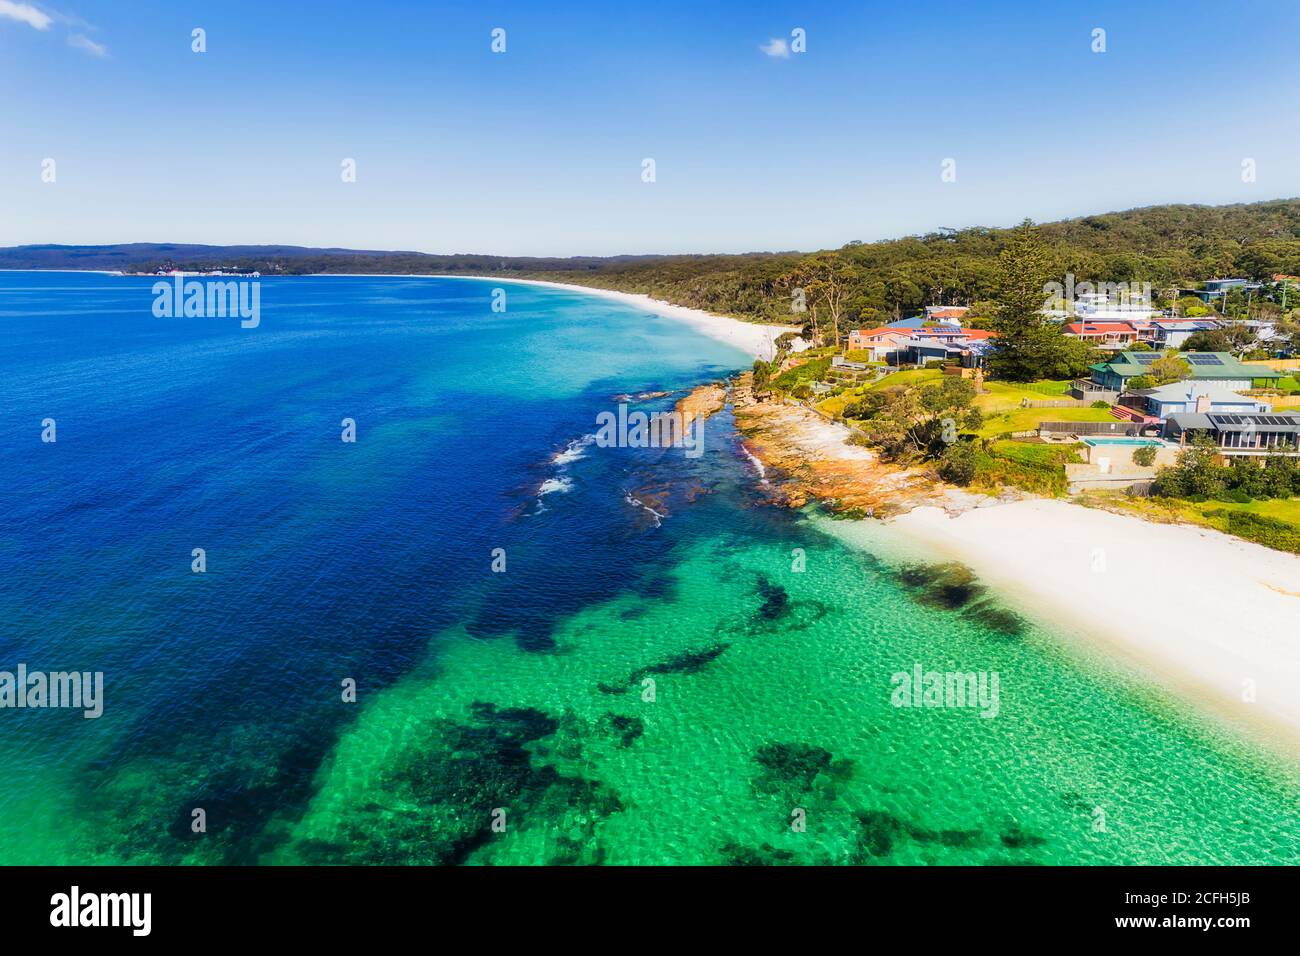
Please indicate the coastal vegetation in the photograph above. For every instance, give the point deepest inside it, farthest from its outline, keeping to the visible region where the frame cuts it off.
(1258, 501)
(859, 284)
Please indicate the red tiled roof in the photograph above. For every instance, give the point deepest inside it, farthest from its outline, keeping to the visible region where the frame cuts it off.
(1097, 328)
(882, 330)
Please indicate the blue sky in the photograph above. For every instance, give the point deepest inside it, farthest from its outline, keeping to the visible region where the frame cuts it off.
(538, 151)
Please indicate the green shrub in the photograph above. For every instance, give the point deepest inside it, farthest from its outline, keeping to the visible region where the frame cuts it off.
(1145, 456)
(1261, 529)
(1236, 496)
(958, 463)
(1100, 404)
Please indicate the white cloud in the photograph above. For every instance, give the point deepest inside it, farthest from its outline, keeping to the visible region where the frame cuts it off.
(86, 43)
(24, 13)
(776, 47)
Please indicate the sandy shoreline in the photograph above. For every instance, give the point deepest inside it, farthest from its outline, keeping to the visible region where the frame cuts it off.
(751, 338)
(1213, 616)
(1209, 617)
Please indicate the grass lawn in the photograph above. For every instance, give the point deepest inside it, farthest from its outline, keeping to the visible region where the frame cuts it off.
(810, 371)
(1001, 396)
(911, 376)
(1283, 509)
(1218, 515)
(1034, 467)
(1027, 419)
(834, 406)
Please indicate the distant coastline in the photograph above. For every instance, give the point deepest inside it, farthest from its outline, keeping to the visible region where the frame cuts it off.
(754, 338)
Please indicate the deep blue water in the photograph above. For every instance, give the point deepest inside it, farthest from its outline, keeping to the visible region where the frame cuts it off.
(325, 559)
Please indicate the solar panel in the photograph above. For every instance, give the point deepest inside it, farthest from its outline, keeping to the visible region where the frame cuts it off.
(1144, 358)
(1203, 359)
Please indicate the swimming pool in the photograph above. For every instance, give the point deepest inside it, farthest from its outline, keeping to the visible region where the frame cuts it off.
(1155, 442)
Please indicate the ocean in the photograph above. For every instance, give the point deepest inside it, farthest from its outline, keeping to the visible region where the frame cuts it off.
(473, 635)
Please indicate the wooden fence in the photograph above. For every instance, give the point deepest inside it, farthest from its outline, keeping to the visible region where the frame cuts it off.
(1089, 428)
(1055, 403)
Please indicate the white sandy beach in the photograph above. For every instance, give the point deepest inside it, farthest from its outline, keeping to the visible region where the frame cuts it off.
(751, 338)
(1209, 615)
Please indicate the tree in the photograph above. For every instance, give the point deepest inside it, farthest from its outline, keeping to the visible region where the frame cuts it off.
(1190, 306)
(958, 463)
(1169, 368)
(1206, 340)
(1030, 346)
(923, 420)
(827, 279)
(1241, 338)
(1196, 474)
(762, 378)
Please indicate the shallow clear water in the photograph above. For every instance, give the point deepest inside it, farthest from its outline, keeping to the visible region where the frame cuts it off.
(669, 669)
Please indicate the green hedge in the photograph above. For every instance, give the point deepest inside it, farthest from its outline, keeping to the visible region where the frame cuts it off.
(1261, 529)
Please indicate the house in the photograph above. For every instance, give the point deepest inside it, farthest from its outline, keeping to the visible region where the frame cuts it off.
(1104, 335)
(1204, 397)
(1220, 287)
(976, 353)
(880, 342)
(921, 321)
(946, 313)
(1172, 333)
(1205, 367)
(1100, 307)
(943, 344)
(1253, 435)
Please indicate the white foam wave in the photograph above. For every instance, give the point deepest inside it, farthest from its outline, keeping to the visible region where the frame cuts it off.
(554, 484)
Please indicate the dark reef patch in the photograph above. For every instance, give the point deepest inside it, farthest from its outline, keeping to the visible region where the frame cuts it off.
(139, 809)
(776, 601)
(880, 832)
(792, 769)
(734, 854)
(626, 729)
(687, 662)
(436, 805)
(995, 618)
(1019, 839)
(950, 586)
(953, 587)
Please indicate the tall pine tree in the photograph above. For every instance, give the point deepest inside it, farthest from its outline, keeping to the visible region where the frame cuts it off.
(1030, 345)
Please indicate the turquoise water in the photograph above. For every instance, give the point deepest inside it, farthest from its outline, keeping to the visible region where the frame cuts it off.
(668, 669)
(1124, 441)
